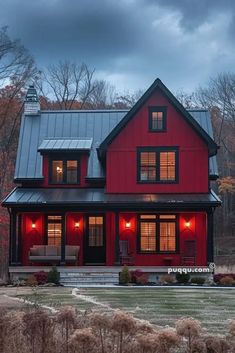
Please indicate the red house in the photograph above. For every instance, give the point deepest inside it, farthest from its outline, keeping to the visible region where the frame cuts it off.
(111, 187)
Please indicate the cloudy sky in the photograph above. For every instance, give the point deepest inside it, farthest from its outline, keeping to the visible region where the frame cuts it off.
(130, 42)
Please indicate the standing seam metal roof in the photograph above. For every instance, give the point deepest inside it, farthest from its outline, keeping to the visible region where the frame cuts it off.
(76, 125)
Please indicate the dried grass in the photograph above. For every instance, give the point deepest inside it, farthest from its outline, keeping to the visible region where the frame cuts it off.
(68, 331)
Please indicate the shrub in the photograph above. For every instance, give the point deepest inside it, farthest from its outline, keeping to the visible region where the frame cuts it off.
(227, 281)
(219, 276)
(125, 276)
(41, 277)
(135, 275)
(142, 280)
(53, 276)
(167, 278)
(182, 277)
(198, 280)
(31, 281)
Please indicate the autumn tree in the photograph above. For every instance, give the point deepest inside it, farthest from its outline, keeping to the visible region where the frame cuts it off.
(16, 69)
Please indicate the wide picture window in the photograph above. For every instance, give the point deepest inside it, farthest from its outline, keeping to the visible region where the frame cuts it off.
(158, 233)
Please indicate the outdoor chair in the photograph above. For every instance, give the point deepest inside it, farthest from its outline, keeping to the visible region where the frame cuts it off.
(189, 253)
(126, 257)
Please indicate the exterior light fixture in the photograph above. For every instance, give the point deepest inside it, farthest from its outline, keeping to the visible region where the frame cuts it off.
(33, 225)
(128, 225)
(187, 224)
(76, 225)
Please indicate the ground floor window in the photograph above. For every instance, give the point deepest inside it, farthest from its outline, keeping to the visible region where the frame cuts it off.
(54, 230)
(158, 233)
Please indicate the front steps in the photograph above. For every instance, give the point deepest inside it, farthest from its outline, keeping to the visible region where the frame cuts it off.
(86, 278)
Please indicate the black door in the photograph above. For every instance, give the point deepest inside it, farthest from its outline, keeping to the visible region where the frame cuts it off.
(94, 250)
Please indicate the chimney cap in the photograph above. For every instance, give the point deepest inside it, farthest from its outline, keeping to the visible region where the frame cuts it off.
(31, 95)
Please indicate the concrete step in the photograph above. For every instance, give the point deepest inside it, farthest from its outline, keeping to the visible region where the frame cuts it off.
(74, 279)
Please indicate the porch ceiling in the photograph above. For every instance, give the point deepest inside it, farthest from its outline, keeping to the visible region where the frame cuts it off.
(97, 197)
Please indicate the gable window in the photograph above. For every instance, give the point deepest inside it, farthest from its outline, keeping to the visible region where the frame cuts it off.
(157, 119)
(158, 233)
(64, 171)
(157, 164)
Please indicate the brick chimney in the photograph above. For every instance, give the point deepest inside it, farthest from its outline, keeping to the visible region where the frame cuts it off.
(31, 103)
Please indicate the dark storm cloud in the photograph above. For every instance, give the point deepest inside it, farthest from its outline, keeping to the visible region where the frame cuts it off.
(129, 42)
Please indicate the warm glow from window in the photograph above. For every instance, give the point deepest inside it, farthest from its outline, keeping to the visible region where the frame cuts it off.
(167, 165)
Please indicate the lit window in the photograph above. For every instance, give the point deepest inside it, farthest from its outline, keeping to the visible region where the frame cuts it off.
(96, 230)
(54, 230)
(148, 166)
(157, 119)
(148, 236)
(157, 164)
(167, 236)
(167, 166)
(157, 233)
(64, 171)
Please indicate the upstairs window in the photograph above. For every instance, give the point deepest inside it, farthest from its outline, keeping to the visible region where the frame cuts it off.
(64, 171)
(157, 164)
(157, 119)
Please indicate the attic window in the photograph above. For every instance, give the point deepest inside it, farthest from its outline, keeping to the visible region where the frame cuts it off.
(157, 119)
(64, 171)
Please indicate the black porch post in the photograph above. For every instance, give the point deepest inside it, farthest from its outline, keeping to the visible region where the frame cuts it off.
(63, 241)
(117, 253)
(19, 239)
(210, 239)
(13, 246)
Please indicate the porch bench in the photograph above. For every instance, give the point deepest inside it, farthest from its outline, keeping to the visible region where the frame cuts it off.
(52, 253)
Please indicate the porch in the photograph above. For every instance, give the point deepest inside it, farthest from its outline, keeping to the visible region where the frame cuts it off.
(93, 275)
(156, 227)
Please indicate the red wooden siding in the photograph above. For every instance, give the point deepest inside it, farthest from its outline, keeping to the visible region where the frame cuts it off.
(121, 172)
(30, 236)
(75, 236)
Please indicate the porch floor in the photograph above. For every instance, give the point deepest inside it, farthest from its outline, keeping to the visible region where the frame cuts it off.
(102, 269)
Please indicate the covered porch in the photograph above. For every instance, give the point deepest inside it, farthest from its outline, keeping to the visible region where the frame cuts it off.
(158, 231)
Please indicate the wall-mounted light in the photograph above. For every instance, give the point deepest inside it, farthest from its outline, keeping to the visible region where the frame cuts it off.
(33, 225)
(187, 224)
(128, 225)
(77, 225)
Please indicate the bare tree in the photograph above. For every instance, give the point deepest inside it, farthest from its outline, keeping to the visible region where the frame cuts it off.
(102, 96)
(67, 84)
(127, 99)
(219, 97)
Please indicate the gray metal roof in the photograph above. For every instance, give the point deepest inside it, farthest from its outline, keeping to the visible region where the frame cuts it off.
(65, 144)
(76, 125)
(76, 196)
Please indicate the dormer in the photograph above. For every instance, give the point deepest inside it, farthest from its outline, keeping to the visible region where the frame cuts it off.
(65, 161)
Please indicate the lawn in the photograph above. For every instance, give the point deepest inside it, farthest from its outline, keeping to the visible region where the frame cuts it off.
(160, 306)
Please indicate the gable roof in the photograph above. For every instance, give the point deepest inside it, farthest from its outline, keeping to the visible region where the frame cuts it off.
(157, 84)
(78, 125)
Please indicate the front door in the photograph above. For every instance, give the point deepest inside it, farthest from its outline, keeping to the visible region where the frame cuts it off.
(94, 251)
